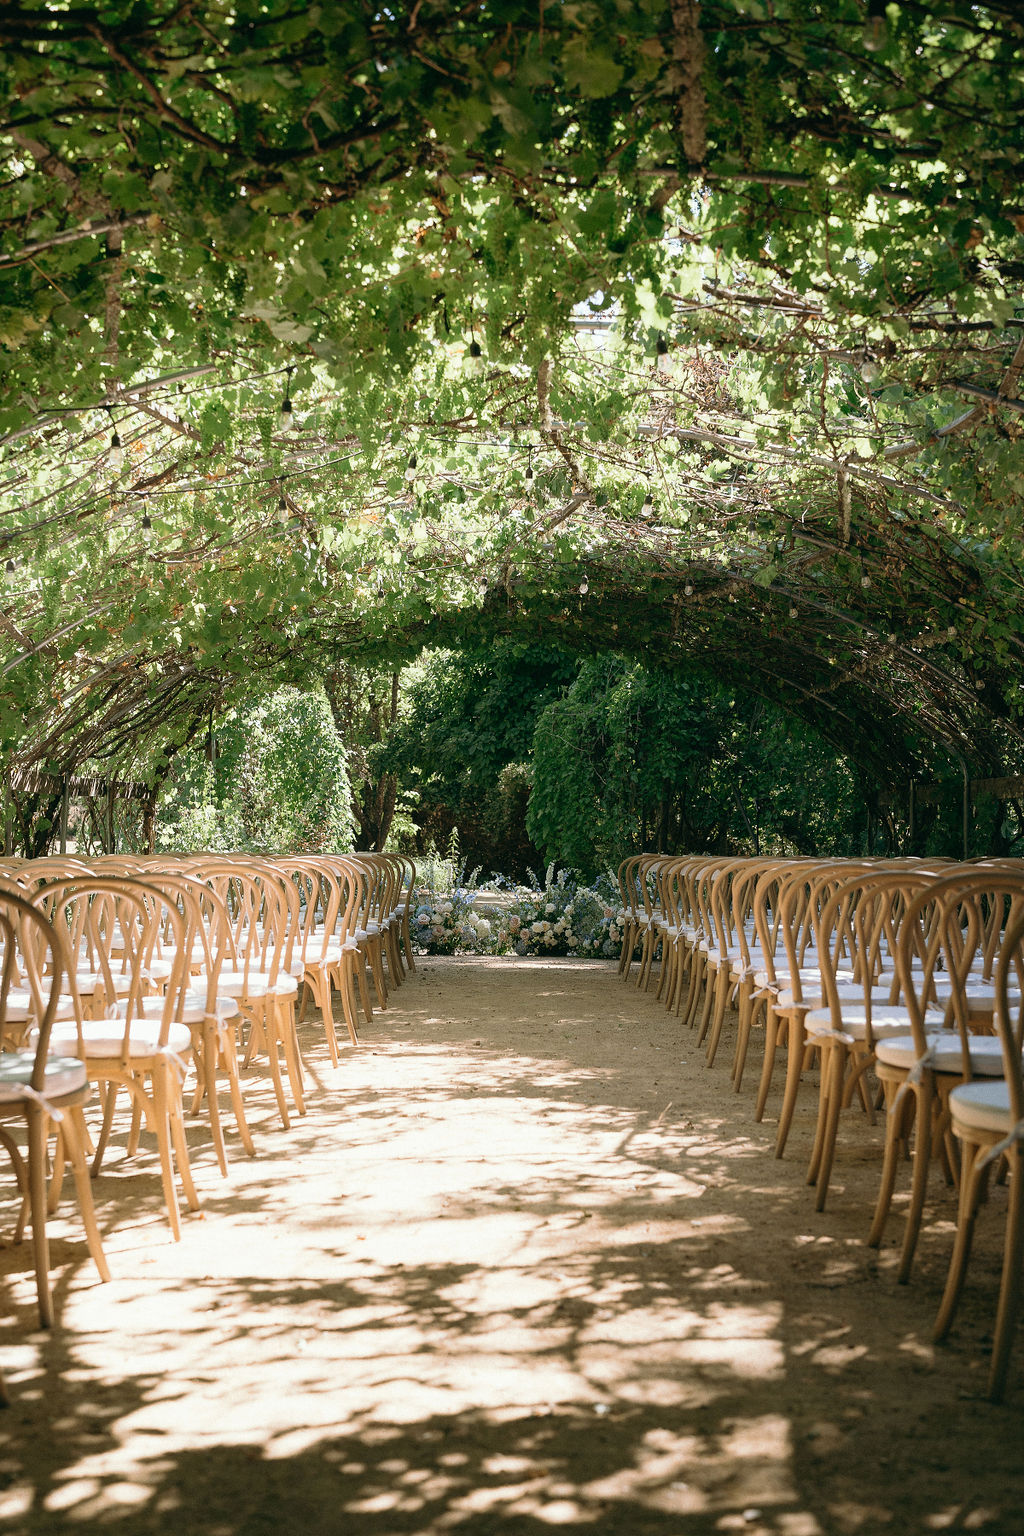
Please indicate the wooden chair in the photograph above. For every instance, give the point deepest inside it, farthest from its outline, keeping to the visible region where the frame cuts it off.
(988, 1119)
(856, 943)
(38, 1088)
(261, 907)
(943, 954)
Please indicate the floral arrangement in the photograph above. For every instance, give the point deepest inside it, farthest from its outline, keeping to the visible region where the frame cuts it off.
(560, 917)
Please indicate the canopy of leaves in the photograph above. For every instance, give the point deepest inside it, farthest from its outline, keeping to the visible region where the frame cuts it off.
(818, 207)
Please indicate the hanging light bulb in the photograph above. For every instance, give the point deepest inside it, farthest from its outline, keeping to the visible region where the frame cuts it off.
(116, 452)
(876, 32)
(647, 510)
(870, 369)
(410, 468)
(584, 587)
(865, 581)
(473, 363)
(793, 613)
(663, 357)
(147, 523)
(286, 416)
(10, 567)
(688, 590)
(282, 509)
(530, 476)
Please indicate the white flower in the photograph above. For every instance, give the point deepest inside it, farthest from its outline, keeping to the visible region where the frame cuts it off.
(445, 907)
(483, 928)
(423, 919)
(570, 938)
(537, 927)
(550, 907)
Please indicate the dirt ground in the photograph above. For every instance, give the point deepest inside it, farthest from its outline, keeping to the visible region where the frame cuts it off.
(526, 1263)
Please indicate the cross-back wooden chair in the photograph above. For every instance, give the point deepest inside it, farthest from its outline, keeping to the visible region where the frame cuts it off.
(40, 1086)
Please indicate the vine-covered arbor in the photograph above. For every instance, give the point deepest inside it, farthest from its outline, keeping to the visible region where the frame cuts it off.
(690, 331)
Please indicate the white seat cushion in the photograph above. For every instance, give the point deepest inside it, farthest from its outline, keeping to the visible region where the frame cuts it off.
(105, 1037)
(257, 984)
(946, 1053)
(21, 1007)
(194, 1007)
(64, 1074)
(982, 1107)
(886, 1019)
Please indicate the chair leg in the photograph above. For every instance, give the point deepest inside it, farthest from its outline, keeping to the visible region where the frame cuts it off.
(229, 1055)
(72, 1136)
(37, 1120)
(794, 1072)
(723, 987)
(176, 1120)
(897, 1123)
(284, 1030)
(206, 1074)
(972, 1183)
(924, 1097)
(162, 1127)
(347, 991)
(1010, 1286)
(771, 1040)
(109, 1096)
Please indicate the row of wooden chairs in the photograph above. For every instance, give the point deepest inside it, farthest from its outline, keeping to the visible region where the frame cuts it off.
(124, 972)
(903, 979)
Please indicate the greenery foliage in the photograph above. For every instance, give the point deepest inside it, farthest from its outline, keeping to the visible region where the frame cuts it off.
(814, 208)
(630, 760)
(272, 779)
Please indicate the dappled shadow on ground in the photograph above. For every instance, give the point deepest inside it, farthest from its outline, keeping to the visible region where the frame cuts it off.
(524, 1264)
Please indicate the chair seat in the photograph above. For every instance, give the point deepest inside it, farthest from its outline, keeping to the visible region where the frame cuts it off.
(64, 1074)
(886, 1019)
(194, 1007)
(849, 992)
(257, 984)
(20, 1008)
(810, 977)
(89, 982)
(105, 1037)
(946, 1051)
(982, 1107)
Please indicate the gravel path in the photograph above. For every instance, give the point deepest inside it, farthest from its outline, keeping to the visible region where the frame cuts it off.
(525, 1263)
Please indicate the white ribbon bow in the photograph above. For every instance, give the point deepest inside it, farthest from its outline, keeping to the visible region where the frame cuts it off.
(1015, 1136)
(914, 1076)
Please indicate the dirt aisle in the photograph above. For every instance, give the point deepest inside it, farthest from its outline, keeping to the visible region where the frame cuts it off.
(525, 1263)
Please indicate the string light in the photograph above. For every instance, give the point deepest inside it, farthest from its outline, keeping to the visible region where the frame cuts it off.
(688, 590)
(647, 510)
(11, 567)
(410, 469)
(530, 476)
(286, 416)
(663, 357)
(282, 509)
(876, 32)
(473, 362)
(147, 523)
(116, 451)
(870, 368)
(584, 587)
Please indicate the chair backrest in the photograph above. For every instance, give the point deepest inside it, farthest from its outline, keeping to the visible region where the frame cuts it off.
(116, 928)
(956, 930)
(34, 965)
